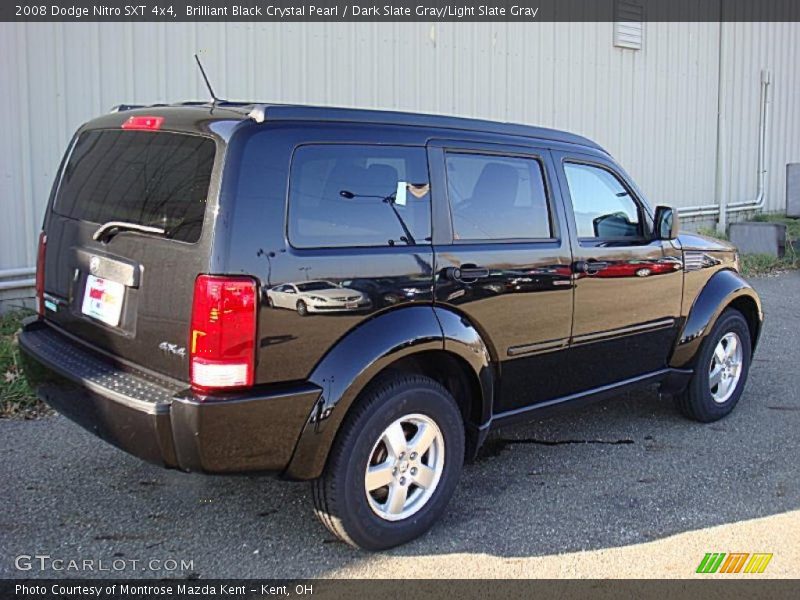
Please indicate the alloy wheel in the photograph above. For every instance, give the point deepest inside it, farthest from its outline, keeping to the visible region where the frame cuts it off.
(405, 466)
(725, 369)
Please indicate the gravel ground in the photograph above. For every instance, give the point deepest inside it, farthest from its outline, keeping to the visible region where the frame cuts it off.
(647, 495)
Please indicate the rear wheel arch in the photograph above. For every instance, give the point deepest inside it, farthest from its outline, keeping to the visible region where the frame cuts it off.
(407, 340)
(459, 378)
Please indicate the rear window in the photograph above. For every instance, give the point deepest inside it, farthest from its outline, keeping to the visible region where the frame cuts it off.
(157, 179)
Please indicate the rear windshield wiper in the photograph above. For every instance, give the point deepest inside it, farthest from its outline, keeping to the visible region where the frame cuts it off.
(108, 230)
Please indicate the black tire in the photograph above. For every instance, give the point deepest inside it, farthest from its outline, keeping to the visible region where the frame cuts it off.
(696, 401)
(302, 309)
(340, 498)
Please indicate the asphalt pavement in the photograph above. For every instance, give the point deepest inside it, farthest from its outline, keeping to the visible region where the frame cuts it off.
(624, 488)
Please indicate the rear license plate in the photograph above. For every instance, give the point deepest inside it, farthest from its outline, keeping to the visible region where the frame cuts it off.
(102, 300)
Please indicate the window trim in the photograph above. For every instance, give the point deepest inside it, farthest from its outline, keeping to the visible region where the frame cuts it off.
(427, 242)
(551, 214)
(641, 207)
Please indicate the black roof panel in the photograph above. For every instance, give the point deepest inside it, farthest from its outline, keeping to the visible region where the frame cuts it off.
(281, 112)
(297, 112)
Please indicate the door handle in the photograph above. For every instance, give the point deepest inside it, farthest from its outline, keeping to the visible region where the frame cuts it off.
(467, 274)
(589, 267)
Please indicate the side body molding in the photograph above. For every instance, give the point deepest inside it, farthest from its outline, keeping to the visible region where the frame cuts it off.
(724, 288)
(348, 367)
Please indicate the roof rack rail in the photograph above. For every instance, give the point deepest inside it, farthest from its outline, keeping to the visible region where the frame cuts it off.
(124, 107)
(259, 113)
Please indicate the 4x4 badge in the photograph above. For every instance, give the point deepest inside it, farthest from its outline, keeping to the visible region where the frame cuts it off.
(172, 349)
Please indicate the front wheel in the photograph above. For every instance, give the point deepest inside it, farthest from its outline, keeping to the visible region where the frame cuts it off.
(394, 465)
(723, 364)
(302, 308)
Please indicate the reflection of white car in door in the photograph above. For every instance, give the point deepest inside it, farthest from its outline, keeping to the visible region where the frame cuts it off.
(317, 297)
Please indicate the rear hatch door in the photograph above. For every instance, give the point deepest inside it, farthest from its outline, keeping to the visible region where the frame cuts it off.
(127, 290)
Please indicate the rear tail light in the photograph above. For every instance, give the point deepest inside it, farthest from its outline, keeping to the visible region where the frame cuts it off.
(143, 123)
(222, 339)
(40, 254)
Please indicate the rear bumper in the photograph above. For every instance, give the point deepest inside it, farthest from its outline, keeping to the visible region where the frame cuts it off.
(161, 421)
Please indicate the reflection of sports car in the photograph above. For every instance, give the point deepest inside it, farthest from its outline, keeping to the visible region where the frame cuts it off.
(639, 268)
(317, 297)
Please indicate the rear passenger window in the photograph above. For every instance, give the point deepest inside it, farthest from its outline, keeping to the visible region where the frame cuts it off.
(497, 197)
(350, 195)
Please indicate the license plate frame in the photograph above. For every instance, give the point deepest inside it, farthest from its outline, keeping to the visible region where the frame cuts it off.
(103, 299)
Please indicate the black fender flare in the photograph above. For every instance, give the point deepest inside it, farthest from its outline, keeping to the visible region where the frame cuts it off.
(463, 339)
(724, 288)
(355, 360)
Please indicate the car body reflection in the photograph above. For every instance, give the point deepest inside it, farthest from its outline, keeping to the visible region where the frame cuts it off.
(636, 268)
(504, 281)
(317, 296)
(390, 291)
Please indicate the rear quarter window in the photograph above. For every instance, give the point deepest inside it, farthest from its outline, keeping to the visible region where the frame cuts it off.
(346, 195)
(159, 179)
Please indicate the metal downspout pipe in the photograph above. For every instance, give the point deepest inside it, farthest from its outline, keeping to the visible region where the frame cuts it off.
(758, 202)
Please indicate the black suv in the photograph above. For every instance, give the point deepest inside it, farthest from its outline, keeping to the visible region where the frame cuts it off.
(358, 297)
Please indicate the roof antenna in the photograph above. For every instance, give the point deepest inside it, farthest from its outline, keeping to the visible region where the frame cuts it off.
(208, 84)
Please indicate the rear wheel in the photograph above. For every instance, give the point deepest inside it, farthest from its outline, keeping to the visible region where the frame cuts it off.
(302, 309)
(722, 367)
(394, 465)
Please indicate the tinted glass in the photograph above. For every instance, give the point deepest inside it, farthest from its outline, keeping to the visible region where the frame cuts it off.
(348, 195)
(603, 207)
(313, 286)
(497, 197)
(158, 179)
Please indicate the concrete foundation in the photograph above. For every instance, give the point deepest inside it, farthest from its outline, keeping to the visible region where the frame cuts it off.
(759, 238)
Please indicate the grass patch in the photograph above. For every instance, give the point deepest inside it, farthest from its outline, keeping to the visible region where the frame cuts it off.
(16, 397)
(711, 232)
(764, 264)
(760, 264)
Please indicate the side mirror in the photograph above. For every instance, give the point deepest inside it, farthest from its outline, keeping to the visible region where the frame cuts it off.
(666, 223)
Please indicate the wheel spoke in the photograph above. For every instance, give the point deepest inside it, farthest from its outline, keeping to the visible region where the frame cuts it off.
(422, 440)
(424, 477)
(397, 498)
(732, 347)
(379, 476)
(715, 377)
(395, 439)
(719, 353)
